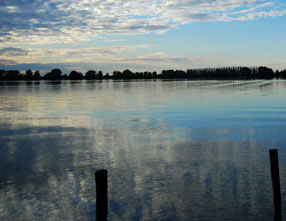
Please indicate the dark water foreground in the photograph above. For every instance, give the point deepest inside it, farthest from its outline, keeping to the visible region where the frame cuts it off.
(174, 150)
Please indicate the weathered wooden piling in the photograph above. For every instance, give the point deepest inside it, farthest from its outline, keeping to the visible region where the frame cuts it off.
(101, 195)
(274, 164)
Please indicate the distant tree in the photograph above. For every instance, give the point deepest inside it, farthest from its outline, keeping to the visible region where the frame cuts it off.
(37, 75)
(90, 75)
(154, 74)
(282, 74)
(55, 74)
(100, 75)
(106, 76)
(13, 75)
(2, 74)
(245, 72)
(65, 77)
(117, 75)
(168, 74)
(180, 74)
(29, 74)
(265, 72)
(127, 74)
(48, 76)
(74, 75)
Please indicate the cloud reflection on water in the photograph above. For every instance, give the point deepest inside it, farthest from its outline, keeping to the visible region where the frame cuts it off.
(49, 172)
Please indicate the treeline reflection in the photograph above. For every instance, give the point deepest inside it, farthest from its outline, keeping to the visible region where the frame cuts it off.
(226, 73)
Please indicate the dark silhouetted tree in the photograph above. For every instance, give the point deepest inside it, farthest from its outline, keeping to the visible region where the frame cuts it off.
(2, 74)
(55, 74)
(282, 74)
(127, 74)
(13, 75)
(154, 74)
(100, 75)
(29, 74)
(106, 76)
(117, 75)
(245, 72)
(65, 77)
(74, 75)
(265, 73)
(37, 75)
(90, 75)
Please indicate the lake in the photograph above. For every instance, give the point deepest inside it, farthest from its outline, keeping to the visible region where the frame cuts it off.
(174, 150)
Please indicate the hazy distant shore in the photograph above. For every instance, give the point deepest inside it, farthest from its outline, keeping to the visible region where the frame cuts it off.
(228, 73)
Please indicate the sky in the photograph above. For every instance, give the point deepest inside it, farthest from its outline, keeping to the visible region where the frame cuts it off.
(141, 35)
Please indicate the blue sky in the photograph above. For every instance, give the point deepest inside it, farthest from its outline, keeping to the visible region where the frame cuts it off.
(141, 35)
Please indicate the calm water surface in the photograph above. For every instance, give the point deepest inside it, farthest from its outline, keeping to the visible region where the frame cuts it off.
(174, 150)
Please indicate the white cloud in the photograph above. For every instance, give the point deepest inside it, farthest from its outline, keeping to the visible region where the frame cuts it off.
(91, 54)
(50, 21)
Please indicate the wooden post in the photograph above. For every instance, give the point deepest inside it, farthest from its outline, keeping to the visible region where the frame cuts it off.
(274, 164)
(101, 195)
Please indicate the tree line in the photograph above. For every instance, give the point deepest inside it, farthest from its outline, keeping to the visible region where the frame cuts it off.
(226, 73)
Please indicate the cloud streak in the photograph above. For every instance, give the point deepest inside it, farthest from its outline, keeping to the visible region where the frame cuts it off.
(50, 21)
